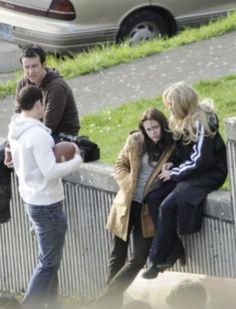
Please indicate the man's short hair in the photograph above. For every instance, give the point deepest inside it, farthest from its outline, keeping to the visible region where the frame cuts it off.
(33, 51)
(28, 96)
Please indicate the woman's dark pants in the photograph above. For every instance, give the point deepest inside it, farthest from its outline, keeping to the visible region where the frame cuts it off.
(122, 269)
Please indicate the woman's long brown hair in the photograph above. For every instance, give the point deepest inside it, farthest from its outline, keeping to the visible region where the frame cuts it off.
(155, 150)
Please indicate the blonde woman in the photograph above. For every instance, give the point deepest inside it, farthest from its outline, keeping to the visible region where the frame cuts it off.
(200, 168)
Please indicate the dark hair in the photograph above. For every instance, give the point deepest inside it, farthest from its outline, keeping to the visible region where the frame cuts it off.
(155, 150)
(33, 51)
(28, 96)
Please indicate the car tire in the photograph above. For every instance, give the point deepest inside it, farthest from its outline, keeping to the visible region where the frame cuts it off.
(142, 26)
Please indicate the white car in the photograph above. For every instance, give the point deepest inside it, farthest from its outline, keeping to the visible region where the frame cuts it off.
(68, 25)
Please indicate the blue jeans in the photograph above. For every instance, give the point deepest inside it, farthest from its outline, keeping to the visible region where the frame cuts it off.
(162, 206)
(166, 236)
(50, 227)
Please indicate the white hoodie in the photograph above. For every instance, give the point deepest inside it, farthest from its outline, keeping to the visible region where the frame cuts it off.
(34, 161)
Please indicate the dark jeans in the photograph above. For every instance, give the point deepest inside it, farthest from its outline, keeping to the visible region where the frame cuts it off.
(155, 197)
(166, 240)
(122, 272)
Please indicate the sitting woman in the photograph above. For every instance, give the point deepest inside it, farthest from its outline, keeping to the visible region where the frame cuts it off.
(201, 168)
(136, 170)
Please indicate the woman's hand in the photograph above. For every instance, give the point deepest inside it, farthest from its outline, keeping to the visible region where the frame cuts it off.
(167, 166)
(165, 175)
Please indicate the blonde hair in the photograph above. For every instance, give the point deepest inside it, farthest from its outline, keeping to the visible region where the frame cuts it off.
(187, 111)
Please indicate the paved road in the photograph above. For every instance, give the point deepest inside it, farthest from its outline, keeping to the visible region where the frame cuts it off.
(9, 55)
(148, 76)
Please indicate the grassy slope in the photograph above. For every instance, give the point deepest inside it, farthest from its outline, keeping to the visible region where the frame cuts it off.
(110, 127)
(107, 56)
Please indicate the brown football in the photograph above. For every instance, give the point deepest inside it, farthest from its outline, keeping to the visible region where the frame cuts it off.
(64, 151)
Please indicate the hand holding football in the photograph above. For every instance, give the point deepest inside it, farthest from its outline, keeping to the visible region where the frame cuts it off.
(64, 151)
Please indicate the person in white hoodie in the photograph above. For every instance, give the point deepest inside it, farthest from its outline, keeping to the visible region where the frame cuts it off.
(41, 189)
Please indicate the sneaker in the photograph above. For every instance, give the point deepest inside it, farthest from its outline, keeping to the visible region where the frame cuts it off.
(151, 272)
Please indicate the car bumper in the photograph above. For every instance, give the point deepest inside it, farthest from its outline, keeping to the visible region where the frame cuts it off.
(61, 43)
(55, 36)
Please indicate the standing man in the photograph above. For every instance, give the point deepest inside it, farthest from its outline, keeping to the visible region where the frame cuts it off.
(61, 114)
(41, 189)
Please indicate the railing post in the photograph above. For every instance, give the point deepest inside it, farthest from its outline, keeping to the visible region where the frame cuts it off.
(230, 126)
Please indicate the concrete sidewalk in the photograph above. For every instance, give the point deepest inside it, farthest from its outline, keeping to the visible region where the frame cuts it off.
(147, 76)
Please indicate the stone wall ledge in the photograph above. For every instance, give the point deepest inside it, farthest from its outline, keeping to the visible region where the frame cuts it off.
(98, 174)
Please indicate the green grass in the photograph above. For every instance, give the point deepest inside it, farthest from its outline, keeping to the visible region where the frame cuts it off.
(106, 56)
(7, 88)
(110, 127)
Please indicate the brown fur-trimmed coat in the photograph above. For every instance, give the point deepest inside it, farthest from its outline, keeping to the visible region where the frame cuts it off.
(126, 173)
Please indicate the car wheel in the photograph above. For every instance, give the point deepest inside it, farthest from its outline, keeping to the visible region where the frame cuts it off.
(142, 26)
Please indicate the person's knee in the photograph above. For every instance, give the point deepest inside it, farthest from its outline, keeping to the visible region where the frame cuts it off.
(49, 265)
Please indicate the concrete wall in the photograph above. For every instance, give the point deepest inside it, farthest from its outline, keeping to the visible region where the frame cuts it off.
(89, 195)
